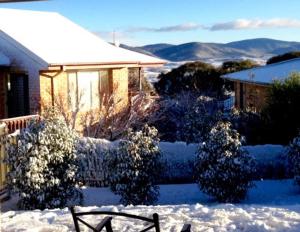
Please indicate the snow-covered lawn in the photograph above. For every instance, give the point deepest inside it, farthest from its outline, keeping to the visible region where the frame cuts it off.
(271, 206)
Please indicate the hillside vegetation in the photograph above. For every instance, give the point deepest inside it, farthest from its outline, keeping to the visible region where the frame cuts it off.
(199, 77)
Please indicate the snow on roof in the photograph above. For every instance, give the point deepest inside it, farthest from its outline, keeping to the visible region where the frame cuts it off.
(58, 41)
(4, 61)
(266, 74)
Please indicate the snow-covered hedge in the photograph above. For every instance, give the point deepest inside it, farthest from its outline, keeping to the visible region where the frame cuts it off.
(294, 158)
(178, 161)
(91, 153)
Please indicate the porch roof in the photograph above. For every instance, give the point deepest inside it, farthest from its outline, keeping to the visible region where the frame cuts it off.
(56, 40)
(265, 75)
(4, 60)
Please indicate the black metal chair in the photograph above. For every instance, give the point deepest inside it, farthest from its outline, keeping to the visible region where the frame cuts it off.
(107, 221)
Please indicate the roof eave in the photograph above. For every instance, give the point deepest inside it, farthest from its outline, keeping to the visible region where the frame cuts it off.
(246, 81)
(104, 65)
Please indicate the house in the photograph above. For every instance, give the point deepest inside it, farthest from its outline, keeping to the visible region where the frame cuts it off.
(44, 57)
(251, 85)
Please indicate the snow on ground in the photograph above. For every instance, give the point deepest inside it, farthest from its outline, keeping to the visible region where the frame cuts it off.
(270, 206)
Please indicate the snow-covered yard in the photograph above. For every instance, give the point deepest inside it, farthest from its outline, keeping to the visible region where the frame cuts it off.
(273, 205)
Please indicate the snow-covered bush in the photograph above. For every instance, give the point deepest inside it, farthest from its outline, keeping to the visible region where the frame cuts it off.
(294, 158)
(93, 169)
(134, 167)
(223, 169)
(43, 164)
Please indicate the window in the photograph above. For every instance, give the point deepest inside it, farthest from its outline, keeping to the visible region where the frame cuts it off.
(86, 89)
(88, 85)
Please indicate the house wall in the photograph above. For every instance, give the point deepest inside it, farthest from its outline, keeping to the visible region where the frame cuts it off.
(120, 88)
(24, 61)
(60, 87)
(118, 84)
(254, 96)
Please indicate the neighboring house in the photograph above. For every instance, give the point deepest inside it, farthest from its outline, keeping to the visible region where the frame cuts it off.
(251, 85)
(44, 57)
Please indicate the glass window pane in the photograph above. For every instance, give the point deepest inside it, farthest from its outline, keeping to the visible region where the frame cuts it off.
(88, 85)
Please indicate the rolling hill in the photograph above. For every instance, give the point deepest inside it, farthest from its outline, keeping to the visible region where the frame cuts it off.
(260, 48)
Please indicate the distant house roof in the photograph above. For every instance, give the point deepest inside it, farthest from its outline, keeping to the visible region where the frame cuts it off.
(4, 61)
(58, 41)
(265, 75)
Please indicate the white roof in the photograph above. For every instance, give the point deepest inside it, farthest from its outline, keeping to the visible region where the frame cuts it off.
(57, 40)
(4, 61)
(266, 74)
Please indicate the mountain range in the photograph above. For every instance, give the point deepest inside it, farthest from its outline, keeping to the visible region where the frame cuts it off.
(260, 48)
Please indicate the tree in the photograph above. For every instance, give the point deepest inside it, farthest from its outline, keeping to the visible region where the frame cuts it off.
(283, 57)
(43, 165)
(199, 77)
(199, 119)
(223, 169)
(235, 66)
(193, 76)
(282, 111)
(134, 167)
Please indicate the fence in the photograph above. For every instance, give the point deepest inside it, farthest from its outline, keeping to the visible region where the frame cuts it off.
(3, 167)
(18, 123)
(227, 104)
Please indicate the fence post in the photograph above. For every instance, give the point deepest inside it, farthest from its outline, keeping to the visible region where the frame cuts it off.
(4, 194)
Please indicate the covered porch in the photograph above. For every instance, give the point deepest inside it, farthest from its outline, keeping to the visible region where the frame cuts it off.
(14, 93)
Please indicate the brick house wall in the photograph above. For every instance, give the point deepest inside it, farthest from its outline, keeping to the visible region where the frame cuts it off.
(118, 79)
(120, 88)
(253, 95)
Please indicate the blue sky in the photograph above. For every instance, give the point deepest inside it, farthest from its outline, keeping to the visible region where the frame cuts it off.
(139, 22)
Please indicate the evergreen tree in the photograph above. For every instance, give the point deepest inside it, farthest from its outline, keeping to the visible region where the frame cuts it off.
(134, 167)
(282, 111)
(43, 164)
(223, 169)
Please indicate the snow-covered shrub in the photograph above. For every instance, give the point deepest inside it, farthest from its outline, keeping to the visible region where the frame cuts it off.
(93, 169)
(134, 167)
(223, 169)
(43, 164)
(294, 158)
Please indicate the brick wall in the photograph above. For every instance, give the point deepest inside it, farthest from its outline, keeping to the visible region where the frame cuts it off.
(253, 95)
(118, 85)
(60, 87)
(120, 88)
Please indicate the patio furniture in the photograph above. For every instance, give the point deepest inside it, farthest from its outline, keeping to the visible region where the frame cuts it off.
(107, 221)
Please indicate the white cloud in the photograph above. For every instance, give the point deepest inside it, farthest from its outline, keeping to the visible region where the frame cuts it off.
(173, 28)
(240, 24)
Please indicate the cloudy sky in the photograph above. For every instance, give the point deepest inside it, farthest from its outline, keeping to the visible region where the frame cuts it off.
(139, 22)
